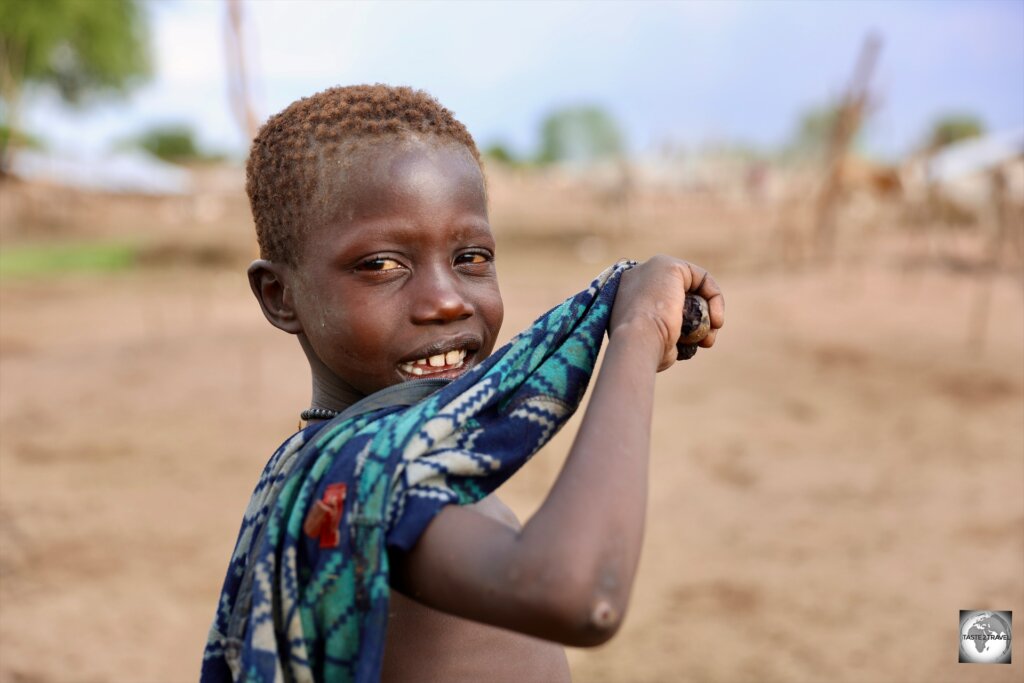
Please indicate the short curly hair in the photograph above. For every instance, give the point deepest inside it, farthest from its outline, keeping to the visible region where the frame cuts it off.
(286, 160)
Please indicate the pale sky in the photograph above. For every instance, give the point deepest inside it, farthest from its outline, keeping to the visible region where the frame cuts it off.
(689, 72)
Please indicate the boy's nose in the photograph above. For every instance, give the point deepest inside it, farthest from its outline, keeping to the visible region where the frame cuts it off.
(439, 299)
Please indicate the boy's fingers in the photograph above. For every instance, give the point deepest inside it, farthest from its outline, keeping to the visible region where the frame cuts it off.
(698, 277)
(709, 340)
(716, 310)
(704, 285)
(708, 287)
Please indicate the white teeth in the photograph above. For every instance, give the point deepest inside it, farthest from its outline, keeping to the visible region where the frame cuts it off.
(426, 366)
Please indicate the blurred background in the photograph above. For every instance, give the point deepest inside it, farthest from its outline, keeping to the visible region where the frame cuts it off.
(831, 484)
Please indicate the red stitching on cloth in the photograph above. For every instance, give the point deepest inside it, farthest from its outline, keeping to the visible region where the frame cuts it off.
(324, 518)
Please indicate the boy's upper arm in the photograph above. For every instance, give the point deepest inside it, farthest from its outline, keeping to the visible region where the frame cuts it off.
(472, 565)
(460, 548)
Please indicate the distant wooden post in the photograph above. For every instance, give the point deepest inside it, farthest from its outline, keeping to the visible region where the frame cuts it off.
(239, 94)
(1002, 234)
(848, 121)
(621, 192)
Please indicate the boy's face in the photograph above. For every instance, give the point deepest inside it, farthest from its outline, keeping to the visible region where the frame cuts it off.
(395, 279)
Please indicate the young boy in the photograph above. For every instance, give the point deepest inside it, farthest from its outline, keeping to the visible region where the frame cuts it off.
(371, 212)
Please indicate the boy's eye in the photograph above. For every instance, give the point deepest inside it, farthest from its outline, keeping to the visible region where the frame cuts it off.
(472, 257)
(379, 264)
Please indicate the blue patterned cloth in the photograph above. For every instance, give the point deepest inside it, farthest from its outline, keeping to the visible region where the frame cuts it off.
(293, 610)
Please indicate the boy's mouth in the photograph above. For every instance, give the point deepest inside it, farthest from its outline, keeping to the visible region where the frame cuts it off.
(438, 363)
(446, 359)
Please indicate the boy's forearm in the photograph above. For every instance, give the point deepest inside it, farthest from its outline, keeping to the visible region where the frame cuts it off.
(591, 525)
(566, 575)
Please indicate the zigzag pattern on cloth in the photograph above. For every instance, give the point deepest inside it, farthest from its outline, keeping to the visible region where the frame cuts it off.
(293, 611)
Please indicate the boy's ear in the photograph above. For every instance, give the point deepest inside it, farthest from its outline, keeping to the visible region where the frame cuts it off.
(272, 290)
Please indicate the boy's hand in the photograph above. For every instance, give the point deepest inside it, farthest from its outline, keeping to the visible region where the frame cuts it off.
(651, 297)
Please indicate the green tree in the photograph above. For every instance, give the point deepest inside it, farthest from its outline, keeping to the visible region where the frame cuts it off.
(813, 131)
(953, 128)
(579, 134)
(171, 142)
(501, 153)
(175, 142)
(19, 138)
(816, 129)
(77, 47)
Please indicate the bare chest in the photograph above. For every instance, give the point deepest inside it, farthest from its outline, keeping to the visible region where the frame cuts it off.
(426, 645)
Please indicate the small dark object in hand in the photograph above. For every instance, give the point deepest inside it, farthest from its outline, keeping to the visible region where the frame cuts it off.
(696, 325)
(686, 351)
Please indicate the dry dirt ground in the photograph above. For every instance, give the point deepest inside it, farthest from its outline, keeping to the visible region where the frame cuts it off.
(831, 484)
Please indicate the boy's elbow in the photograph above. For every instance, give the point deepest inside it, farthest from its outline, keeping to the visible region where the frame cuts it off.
(603, 618)
(585, 614)
(577, 596)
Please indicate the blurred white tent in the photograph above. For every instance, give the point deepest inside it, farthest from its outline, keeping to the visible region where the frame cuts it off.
(119, 172)
(976, 155)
